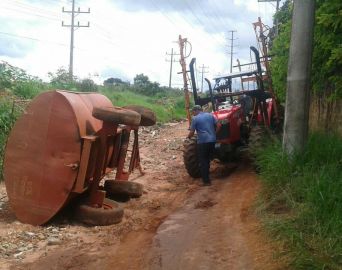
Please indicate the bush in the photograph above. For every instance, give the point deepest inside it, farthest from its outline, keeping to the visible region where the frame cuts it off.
(8, 114)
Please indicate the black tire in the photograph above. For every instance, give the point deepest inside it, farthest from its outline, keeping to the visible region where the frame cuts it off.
(257, 139)
(117, 115)
(190, 158)
(110, 213)
(120, 187)
(148, 117)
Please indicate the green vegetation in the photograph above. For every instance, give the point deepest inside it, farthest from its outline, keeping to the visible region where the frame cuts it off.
(16, 85)
(302, 203)
(301, 199)
(327, 54)
(167, 106)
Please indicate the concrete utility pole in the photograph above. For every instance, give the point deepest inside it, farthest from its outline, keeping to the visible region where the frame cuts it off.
(203, 71)
(182, 42)
(171, 62)
(277, 9)
(231, 49)
(298, 77)
(72, 26)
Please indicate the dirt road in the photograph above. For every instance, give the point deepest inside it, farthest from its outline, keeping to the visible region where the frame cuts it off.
(176, 224)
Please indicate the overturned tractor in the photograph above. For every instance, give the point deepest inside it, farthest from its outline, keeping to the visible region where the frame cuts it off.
(61, 148)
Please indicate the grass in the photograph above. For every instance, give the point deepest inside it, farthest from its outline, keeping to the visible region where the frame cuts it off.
(167, 108)
(302, 202)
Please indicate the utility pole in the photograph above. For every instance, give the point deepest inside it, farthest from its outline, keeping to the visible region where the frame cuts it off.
(277, 9)
(203, 71)
(298, 77)
(182, 42)
(72, 26)
(231, 49)
(171, 62)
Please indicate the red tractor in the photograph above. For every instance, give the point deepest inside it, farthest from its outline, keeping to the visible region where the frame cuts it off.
(243, 114)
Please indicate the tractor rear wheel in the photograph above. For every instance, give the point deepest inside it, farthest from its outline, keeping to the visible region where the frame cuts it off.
(190, 158)
(257, 139)
(148, 117)
(121, 187)
(110, 213)
(117, 115)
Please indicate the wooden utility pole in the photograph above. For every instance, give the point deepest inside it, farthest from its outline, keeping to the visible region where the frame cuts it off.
(182, 42)
(72, 26)
(203, 71)
(298, 77)
(171, 62)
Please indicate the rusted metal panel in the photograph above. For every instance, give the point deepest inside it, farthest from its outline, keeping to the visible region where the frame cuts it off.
(39, 148)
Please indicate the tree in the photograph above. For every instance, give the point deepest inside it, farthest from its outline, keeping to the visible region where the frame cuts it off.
(142, 81)
(327, 64)
(143, 85)
(327, 53)
(114, 81)
(87, 85)
(61, 79)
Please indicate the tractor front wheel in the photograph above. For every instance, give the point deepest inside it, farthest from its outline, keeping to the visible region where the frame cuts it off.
(190, 158)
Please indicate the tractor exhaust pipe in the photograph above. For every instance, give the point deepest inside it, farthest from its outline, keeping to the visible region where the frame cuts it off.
(211, 95)
(193, 80)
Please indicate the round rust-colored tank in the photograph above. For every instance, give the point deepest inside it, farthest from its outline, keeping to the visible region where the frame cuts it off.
(43, 142)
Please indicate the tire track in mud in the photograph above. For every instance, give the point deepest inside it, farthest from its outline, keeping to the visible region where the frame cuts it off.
(214, 229)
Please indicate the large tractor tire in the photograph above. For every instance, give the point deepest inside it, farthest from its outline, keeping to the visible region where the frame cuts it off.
(120, 187)
(117, 115)
(110, 213)
(257, 139)
(148, 117)
(190, 158)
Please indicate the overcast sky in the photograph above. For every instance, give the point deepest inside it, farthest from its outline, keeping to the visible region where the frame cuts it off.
(127, 37)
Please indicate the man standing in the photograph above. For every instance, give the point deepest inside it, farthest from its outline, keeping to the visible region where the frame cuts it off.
(206, 127)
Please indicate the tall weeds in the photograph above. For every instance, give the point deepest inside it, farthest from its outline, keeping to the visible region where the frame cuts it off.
(303, 201)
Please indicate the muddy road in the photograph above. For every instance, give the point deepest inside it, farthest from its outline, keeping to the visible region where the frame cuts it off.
(176, 224)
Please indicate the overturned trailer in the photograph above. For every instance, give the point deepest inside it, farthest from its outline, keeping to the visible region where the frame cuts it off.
(62, 147)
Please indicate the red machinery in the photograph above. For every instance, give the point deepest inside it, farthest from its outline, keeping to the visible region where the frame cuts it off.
(242, 114)
(61, 147)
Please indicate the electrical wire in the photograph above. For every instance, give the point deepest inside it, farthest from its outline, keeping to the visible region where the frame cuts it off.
(32, 38)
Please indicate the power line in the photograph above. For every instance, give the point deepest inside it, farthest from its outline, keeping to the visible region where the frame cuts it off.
(31, 38)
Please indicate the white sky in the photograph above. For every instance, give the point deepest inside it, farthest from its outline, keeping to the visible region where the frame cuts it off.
(127, 37)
